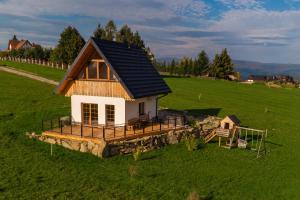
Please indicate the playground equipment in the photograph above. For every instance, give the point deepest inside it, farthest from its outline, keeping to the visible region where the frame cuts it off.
(252, 139)
(237, 136)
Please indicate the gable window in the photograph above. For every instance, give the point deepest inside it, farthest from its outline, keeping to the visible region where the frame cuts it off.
(142, 108)
(92, 70)
(103, 71)
(96, 70)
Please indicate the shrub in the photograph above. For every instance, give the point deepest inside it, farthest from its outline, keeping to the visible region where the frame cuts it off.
(191, 143)
(137, 154)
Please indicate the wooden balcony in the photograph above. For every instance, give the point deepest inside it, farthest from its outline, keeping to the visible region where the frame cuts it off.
(111, 134)
(98, 88)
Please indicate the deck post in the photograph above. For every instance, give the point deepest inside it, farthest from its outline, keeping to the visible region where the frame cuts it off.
(152, 124)
(81, 130)
(175, 123)
(168, 122)
(114, 131)
(125, 130)
(92, 131)
(61, 126)
(71, 128)
(103, 132)
(160, 125)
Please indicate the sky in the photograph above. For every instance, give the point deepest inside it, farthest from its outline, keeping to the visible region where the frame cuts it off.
(254, 30)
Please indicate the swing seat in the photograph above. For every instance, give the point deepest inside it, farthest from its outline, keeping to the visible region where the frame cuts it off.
(242, 144)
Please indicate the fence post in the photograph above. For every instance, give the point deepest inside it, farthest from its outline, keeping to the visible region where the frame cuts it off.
(114, 131)
(103, 132)
(92, 131)
(71, 128)
(81, 130)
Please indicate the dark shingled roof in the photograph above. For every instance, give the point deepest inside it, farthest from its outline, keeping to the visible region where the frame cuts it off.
(234, 119)
(134, 68)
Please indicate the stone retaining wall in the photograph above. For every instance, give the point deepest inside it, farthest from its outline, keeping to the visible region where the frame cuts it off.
(103, 149)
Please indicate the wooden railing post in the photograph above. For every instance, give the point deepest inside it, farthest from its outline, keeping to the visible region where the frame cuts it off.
(81, 130)
(160, 125)
(103, 132)
(168, 122)
(114, 131)
(71, 128)
(152, 124)
(175, 122)
(61, 127)
(92, 131)
(125, 130)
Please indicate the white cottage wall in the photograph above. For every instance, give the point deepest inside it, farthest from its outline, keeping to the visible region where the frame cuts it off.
(119, 103)
(132, 107)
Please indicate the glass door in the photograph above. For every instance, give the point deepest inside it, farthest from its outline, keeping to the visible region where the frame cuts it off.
(110, 115)
(90, 114)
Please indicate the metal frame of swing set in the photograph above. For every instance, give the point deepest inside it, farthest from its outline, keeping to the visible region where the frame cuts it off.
(259, 143)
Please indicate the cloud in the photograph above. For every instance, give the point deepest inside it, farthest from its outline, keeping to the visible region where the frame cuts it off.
(242, 4)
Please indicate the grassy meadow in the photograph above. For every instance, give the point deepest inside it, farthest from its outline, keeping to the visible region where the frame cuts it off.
(29, 172)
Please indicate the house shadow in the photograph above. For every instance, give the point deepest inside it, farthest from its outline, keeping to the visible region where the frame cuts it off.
(204, 112)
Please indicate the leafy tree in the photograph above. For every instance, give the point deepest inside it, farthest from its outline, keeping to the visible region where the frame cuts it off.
(110, 30)
(222, 65)
(172, 67)
(137, 40)
(99, 32)
(125, 35)
(202, 63)
(215, 66)
(227, 64)
(69, 45)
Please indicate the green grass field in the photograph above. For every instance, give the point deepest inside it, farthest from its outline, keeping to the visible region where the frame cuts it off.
(44, 71)
(29, 172)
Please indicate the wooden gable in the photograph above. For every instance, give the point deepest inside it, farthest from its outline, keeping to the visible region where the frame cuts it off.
(87, 77)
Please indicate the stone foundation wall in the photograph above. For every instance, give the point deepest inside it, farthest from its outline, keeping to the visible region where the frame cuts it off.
(103, 149)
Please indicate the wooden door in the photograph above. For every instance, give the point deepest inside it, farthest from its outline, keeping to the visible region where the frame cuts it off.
(110, 115)
(89, 113)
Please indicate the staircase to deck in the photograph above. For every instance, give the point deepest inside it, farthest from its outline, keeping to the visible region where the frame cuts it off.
(210, 136)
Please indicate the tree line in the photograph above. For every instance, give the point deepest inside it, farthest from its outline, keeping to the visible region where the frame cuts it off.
(71, 42)
(220, 67)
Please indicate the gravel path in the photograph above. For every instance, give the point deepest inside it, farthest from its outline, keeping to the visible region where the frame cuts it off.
(28, 75)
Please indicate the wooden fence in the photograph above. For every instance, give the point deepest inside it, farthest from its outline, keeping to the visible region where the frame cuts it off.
(56, 65)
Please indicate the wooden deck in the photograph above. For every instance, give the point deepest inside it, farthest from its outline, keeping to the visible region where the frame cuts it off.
(109, 134)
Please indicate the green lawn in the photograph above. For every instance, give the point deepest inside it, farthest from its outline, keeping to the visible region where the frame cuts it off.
(29, 172)
(44, 71)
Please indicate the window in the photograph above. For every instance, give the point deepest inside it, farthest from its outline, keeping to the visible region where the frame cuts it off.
(142, 108)
(103, 72)
(92, 70)
(90, 114)
(110, 114)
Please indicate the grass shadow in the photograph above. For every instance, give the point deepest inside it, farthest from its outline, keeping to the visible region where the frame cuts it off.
(204, 112)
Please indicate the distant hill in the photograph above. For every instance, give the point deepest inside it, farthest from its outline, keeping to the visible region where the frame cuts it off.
(248, 67)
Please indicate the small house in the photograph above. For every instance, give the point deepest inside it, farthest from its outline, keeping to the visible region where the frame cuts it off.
(112, 83)
(15, 44)
(229, 122)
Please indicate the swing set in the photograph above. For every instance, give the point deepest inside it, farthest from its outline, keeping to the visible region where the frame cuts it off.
(253, 139)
